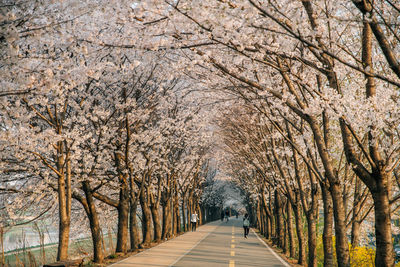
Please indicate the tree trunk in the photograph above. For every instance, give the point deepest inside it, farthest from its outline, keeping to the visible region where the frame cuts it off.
(279, 220)
(177, 217)
(272, 228)
(355, 233)
(290, 229)
(261, 219)
(64, 221)
(299, 230)
(328, 223)
(167, 218)
(94, 224)
(156, 222)
(146, 220)
(266, 227)
(285, 236)
(356, 223)
(133, 227)
(342, 246)
(384, 246)
(203, 216)
(200, 214)
(174, 219)
(184, 214)
(259, 215)
(189, 213)
(123, 219)
(252, 211)
(312, 240)
(285, 229)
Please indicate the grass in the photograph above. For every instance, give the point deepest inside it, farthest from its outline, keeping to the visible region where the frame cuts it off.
(80, 248)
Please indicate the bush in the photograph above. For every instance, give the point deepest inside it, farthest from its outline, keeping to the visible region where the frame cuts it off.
(359, 256)
(362, 256)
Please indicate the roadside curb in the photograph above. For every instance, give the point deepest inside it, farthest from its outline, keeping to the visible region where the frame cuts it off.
(285, 263)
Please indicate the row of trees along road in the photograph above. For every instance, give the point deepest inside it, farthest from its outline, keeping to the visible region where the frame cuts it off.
(322, 78)
(124, 144)
(317, 82)
(102, 130)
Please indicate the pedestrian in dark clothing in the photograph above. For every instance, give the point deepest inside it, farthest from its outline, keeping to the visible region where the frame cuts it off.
(246, 225)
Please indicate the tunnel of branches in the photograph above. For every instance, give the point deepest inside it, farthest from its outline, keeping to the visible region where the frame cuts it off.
(123, 118)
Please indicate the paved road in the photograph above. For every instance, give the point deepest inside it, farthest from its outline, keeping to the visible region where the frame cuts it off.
(212, 245)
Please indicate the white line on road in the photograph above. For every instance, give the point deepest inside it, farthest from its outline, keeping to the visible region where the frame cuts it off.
(273, 252)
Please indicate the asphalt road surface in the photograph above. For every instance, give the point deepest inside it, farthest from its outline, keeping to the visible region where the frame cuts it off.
(212, 245)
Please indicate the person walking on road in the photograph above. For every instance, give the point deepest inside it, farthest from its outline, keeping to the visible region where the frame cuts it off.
(246, 225)
(227, 215)
(193, 221)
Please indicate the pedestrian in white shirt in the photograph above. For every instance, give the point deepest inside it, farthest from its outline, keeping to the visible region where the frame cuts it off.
(193, 221)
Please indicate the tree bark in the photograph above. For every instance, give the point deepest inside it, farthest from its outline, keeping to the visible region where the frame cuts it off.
(267, 227)
(177, 216)
(63, 235)
(279, 220)
(355, 225)
(290, 229)
(156, 222)
(189, 212)
(259, 217)
(383, 233)
(184, 214)
(133, 227)
(167, 217)
(94, 223)
(199, 213)
(272, 220)
(299, 230)
(64, 205)
(328, 224)
(123, 219)
(355, 233)
(174, 220)
(285, 229)
(146, 220)
(262, 220)
(312, 241)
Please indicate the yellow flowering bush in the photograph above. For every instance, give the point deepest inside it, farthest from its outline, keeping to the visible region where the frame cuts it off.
(359, 256)
(362, 256)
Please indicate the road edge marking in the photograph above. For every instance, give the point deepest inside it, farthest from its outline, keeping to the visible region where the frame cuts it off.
(272, 251)
(195, 245)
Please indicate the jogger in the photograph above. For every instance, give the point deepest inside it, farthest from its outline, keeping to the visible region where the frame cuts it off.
(246, 225)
